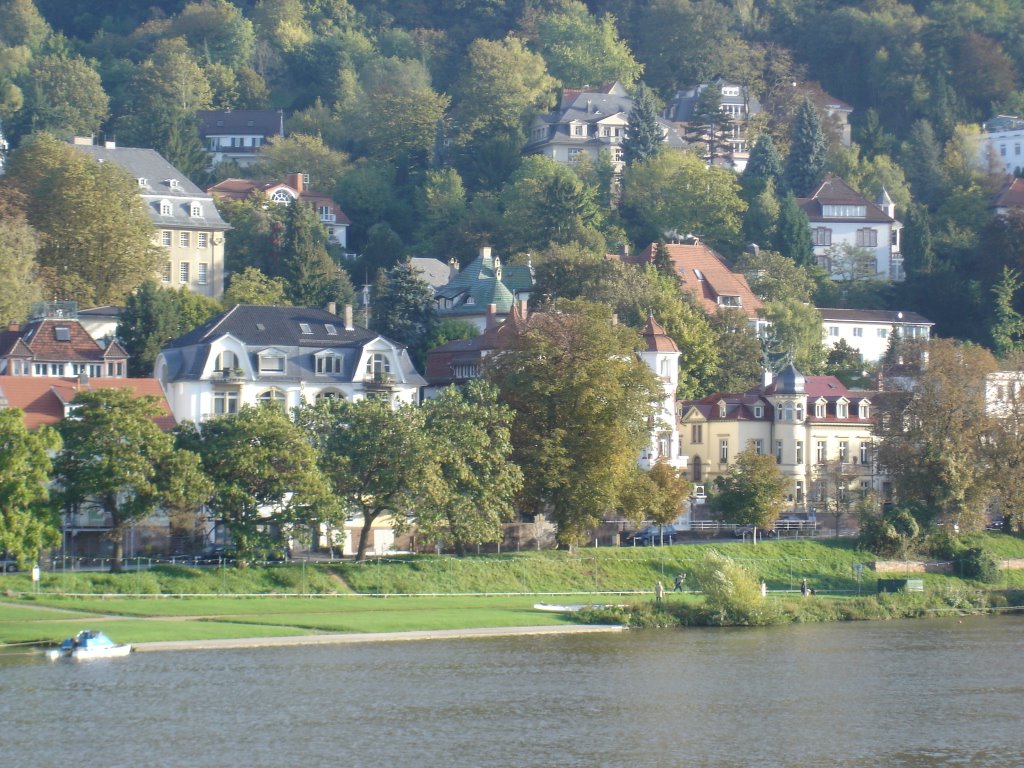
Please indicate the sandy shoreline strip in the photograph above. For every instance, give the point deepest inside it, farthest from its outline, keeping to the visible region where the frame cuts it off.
(367, 637)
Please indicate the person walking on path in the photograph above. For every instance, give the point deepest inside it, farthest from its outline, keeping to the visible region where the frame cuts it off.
(764, 589)
(680, 578)
(803, 588)
(659, 592)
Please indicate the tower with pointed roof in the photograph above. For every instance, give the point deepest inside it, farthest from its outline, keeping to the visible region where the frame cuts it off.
(661, 355)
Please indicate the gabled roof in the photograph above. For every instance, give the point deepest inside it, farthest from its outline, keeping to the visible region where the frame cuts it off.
(835, 191)
(248, 122)
(1011, 195)
(56, 340)
(706, 275)
(883, 316)
(42, 399)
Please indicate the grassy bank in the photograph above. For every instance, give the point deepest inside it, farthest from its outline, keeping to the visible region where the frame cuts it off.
(485, 591)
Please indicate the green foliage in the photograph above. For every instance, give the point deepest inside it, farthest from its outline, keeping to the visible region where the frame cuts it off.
(298, 153)
(979, 564)
(403, 308)
(846, 364)
(63, 96)
(891, 534)
(793, 233)
(739, 353)
(581, 400)
(657, 494)
(805, 163)
(774, 277)
(20, 286)
(27, 524)
(643, 140)
(751, 492)
(795, 332)
(583, 50)
(312, 279)
(250, 286)
(732, 596)
(1008, 329)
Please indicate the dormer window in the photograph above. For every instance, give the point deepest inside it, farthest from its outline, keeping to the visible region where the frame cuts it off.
(280, 196)
(143, 182)
(844, 211)
(758, 411)
(819, 409)
(378, 364)
(226, 361)
(579, 130)
(328, 362)
(272, 361)
(843, 408)
(864, 409)
(729, 301)
(173, 183)
(165, 208)
(195, 210)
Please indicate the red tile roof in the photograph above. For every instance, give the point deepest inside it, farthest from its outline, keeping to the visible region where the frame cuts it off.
(1011, 196)
(42, 398)
(43, 340)
(655, 338)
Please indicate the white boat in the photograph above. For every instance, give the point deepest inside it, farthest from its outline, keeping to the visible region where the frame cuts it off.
(553, 608)
(89, 644)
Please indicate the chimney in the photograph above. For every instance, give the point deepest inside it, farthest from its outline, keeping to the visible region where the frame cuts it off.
(348, 318)
(485, 252)
(453, 269)
(332, 307)
(295, 181)
(13, 327)
(492, 316)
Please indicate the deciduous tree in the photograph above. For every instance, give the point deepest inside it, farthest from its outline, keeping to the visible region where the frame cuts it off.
(250, 286)
(27, 523)
(751, 492)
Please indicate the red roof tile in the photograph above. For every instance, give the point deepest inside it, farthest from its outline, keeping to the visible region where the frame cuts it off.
(42, 398)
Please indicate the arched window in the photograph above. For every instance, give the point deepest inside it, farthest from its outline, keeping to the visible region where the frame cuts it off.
(280, 196)
(272, 395)
(165, 207)
(378, 364)
(697, 476)
(226, 361)
(789, 412)
(330, 394)
(195, 210)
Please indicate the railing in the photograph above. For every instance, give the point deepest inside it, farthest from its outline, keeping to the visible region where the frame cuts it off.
(230, 375)
(330, 218)
(379, 380)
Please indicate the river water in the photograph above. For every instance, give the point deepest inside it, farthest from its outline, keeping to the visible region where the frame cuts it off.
(943, 692)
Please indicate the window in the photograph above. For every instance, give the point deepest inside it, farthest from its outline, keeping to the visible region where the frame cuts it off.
(329, 363)
(789, 412)
(165, 239)
(758, 411)
(858, 332)
(867, 237)
(226, 361)
(225, 402)
(306, 328)
(378, 365)
(758, 445)
(799, 452)
(579, 130)
(183, 239)
(697, 433)
(844, 451)
(779, 445)
(143, 182)
(822, 236)
(1016, 149)
(844, 211)
(271, 362)
(1002, 150)
(183, 272)
(842, 410)
(330, 394)
(883, 333)
(195, 210)
(723, 451)
(574, 154)
(115, 370)
(665, 446)
(272, 395)
(833, 330)
(865, 453)
(201, 277)
(819, 409)
(799, 491)
(165, 208)
(201, 238)
(722, 409)
(729, 301)
(864, 410)
(165, 275)
(821, 452)
(280, 196)
(799, 411)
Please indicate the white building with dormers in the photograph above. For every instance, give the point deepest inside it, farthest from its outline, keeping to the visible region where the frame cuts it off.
(186, 224)
(808, 423)
(253, 354)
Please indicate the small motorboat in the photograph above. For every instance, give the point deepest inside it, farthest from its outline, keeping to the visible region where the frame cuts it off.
(89, 644)
(554, 608)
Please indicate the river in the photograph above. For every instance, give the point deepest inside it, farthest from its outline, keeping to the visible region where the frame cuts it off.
(942, 692)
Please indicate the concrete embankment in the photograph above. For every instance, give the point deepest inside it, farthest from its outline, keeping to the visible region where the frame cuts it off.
(367, 637)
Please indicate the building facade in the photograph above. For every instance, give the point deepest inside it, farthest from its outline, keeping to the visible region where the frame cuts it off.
(238, 134)
(186, 224)
(870, 331)
(481, 284)
(736, 102)
(284, 355)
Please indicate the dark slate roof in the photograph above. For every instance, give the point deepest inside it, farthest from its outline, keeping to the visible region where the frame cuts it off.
(835, 191)
(255, 122)
(258, 326)
(888, 316)
(149, 165)
(789, 382)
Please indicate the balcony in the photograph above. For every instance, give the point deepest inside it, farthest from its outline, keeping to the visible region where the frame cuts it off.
(379, 381)
(229, 376)
(328, 218)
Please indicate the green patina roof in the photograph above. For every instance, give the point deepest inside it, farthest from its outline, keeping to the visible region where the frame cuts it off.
(477, 280)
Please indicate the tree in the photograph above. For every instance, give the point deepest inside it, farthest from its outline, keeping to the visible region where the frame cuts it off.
(441, 207)
(774, 277)
(851, 265)
(795, 332)
(281, 155)
(808, 149)
(739, 352)
(764, 167)
(581, 50)
(582, 400)
(27, 523)
(265, 475)
(117, 460)
(502, 82)
(150, 319)
(644, 135)
(932, 429)
(836, 491)
(1008, 328)
(751, 492)
(846, 364)
(250, 286)
(1003, 449)
(676, 192)
(97, 240)
(312, 278)
(657, 494)
(793, 233)
(474, 481)
(375, 457)
(401, 124)
(403, 308)
(732, 596)
(20, 286)
(760, 224)
(63, 96)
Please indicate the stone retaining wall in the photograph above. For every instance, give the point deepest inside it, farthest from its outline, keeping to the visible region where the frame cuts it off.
(917, 566)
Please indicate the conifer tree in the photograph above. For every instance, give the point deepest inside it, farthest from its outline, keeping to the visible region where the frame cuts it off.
(313, 277)
(643, 133)
(1008, 329)
(805, 164)
(793, 234)
(403, 308)
(764, 166)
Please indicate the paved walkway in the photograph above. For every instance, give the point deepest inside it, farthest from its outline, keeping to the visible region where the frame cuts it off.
(368, 637)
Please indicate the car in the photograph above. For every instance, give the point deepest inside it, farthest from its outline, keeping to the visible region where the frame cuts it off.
(215, 553)
(742, 531)
(653, 536)
(7, 563)
(997, 524)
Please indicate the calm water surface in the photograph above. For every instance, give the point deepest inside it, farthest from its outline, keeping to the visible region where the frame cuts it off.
(916, 694)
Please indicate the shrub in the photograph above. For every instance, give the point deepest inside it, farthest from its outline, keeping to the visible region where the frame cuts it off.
(890, 535)
(977, 563)
(732, 596)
